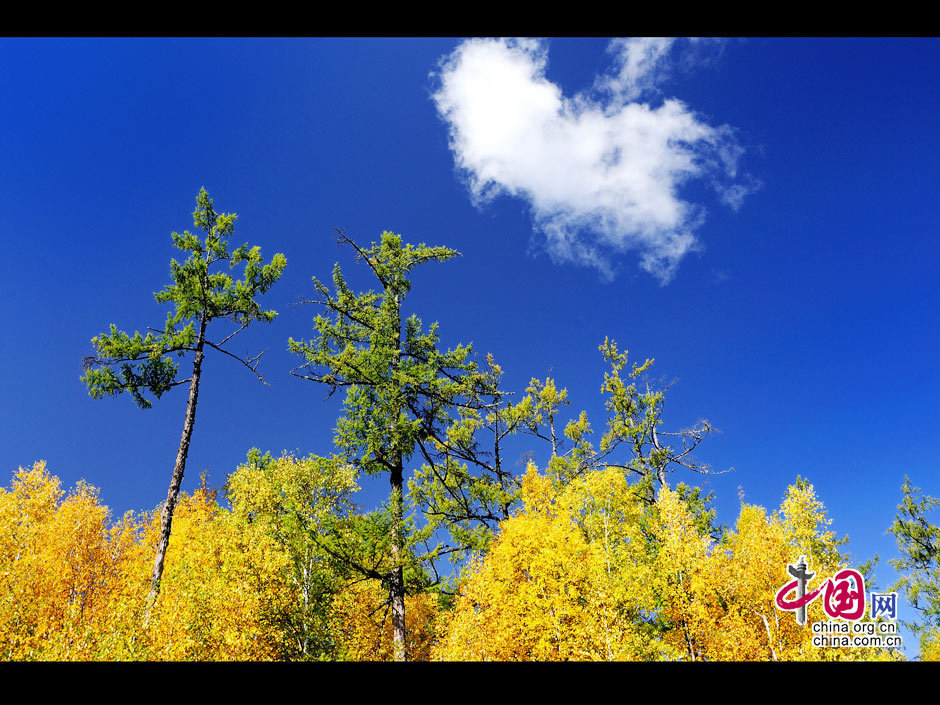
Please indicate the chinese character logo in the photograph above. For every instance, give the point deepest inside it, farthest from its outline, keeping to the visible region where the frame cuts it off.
(843, 594)
(884, 605)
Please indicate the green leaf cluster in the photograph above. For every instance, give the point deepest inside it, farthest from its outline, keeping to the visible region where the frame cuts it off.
(398, 381)
(297, 502)
(402, 391)
(200, 292)
(918, 542)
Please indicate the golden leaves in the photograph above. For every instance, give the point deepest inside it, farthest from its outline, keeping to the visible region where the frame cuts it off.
(60, 566)
(544, 592)
(593, 572)
(361, 623)
(72, 587)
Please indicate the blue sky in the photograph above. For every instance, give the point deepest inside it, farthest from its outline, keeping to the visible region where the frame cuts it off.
(757, 215)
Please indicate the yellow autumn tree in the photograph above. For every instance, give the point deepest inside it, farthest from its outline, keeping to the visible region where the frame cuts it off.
(250, 583)
(293, 501)
(26, 607)
(614, 518)
(736, 596)
(680, 578)
(361, 623)
(930, 646)
(588, 571)
(552, 588)
(223, 587)
(807, 531)
(593, 571)
(63, 572)
(748, 568)
(73, 586)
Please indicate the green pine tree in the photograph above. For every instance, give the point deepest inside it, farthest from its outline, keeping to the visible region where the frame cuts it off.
(401, 393)
(919, 565)
(201, 292)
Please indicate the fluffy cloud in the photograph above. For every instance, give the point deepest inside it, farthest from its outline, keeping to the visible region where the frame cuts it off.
(601, 170)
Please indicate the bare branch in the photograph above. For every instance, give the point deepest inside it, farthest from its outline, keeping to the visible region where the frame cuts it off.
(342, 238)
(251, 363)
(329, 303)
(233, 334)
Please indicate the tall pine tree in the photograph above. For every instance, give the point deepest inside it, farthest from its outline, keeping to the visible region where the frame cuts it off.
(201, 292)
(919, 565)
(401, 392)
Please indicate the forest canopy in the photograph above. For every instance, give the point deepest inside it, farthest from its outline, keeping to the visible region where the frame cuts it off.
(609, 552)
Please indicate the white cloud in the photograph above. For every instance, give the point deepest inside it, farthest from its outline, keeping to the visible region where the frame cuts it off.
(639, 64)
(601, 170)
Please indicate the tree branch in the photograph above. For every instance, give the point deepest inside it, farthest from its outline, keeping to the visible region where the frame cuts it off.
(251, 363)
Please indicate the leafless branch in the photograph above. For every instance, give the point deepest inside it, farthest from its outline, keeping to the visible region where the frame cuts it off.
(251, 363)
(233, 334)
(343, 238)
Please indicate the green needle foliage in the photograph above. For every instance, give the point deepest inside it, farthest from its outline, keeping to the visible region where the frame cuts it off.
(201, 292)
(145, 364)
(919, 565)
(632, 442)
(401, 392)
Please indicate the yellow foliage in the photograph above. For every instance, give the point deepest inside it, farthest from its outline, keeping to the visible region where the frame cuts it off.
(594, 573)
(682, 578)
(222, 588)
(362, 623)
(61, 571)
(545, 591)
(930, 646)
(730, 602)
(73, 588)
(807, 527)
(591, 571)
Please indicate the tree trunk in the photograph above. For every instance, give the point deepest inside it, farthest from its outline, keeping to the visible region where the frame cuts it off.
(166, 518)
(397, 582)
(398, 573)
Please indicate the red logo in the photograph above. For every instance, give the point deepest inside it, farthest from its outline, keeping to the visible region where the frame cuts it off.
(843, 594)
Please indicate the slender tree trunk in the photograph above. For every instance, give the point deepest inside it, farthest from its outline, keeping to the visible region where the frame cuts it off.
(305, 622)
(398, 572)
(497, 461)
(166, 518)
(397, 481)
